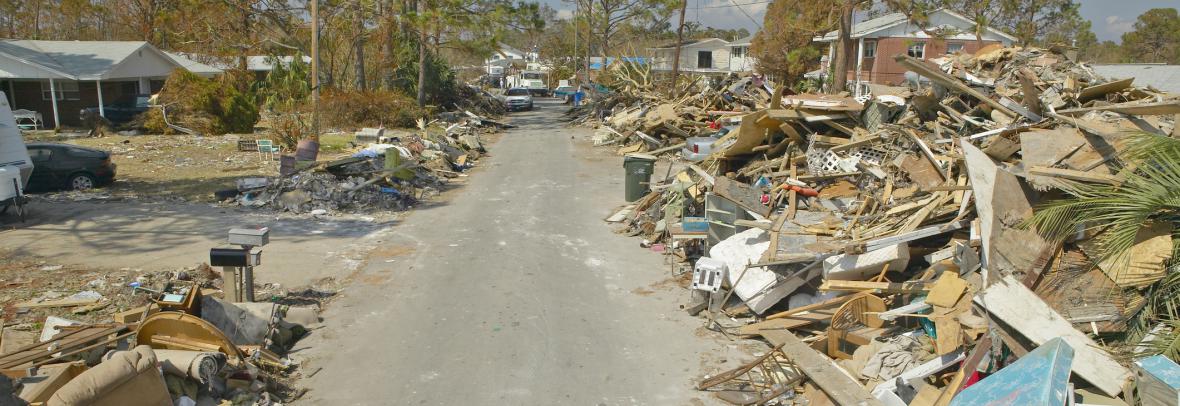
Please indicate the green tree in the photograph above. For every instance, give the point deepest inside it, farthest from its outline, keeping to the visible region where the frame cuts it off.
(783, 47)
(1031, 20)
(1156, 37)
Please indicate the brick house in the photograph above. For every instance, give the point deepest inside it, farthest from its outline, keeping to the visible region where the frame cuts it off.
(57, 79)
(877, 40)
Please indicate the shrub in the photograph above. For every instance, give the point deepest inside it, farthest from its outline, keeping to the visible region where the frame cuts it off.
(209, 106)
(374, 108)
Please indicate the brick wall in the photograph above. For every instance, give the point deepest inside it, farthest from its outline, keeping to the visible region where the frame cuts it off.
(27, 95)
(884, 70)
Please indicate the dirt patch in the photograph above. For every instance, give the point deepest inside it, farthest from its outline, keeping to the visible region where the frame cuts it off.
(390, 251)
(643, 292)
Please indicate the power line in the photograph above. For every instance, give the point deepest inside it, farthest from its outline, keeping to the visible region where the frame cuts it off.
(735, 5)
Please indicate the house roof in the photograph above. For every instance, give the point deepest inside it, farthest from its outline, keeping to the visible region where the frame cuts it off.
(692, 42)
(77, 60)
(743, 41)
(265, 63)
(193, 66)
(868, 27)
(1160, 76)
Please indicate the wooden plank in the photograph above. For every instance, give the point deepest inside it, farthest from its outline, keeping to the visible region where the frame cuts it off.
(881, 287)
(837, 384)
(833, 302)
(1132, 108)
(67, 302)
(787, 323)
(924, 69)
(1020, 308)
(1081, 176)
(1096, 91)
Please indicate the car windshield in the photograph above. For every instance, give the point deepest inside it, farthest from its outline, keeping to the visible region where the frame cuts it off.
(518, 92)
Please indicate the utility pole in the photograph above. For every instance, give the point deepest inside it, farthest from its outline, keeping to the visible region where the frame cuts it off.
(679, 40)
(315, 69)
(422, 53)
(577, 7)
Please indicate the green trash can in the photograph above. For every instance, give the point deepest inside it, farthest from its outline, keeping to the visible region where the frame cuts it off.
(638, 169)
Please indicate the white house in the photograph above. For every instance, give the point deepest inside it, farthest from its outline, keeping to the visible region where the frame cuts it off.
(711, 56)
(740, 59)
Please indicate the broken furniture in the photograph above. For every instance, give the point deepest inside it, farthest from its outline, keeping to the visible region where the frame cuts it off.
(128, 378)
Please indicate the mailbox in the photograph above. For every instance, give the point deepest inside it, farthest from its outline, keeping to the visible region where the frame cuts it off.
(238, 257)
(249, 236)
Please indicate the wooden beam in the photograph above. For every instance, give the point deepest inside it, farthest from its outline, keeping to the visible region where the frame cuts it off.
(837, 384)
(881, 287)
(1132, 108)
(1027, 314)
(924, 69)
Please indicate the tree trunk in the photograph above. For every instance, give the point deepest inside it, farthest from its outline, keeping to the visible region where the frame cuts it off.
(676, 57)
(359, 46)
(422, 55)
(843, 43)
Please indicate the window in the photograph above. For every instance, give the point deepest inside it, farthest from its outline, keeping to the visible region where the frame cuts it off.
(870, 49)
(66, 90)
(737, 52)
(917, 50)
(704, 59)
(953, 47)
(40, 154)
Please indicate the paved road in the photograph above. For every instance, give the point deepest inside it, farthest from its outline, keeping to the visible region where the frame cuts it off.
(514, 293)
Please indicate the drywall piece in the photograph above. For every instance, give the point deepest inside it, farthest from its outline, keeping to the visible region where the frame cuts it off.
(1002, 202)
(758, 287)
(863, 266)
(1026, 313)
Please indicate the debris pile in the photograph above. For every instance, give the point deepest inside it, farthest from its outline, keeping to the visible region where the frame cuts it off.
(389, 173)
(921, 238)
(130, 337)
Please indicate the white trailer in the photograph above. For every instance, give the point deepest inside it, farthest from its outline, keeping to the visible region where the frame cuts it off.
(15, 165)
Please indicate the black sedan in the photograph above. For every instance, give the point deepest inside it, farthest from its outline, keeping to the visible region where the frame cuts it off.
(63, 166)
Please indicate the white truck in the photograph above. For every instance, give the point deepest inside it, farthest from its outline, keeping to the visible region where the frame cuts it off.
(534, 80)
(15, 165)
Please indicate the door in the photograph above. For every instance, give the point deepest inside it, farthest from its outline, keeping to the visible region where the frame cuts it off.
(44, 176)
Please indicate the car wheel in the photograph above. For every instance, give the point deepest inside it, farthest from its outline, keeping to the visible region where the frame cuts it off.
(81, 181)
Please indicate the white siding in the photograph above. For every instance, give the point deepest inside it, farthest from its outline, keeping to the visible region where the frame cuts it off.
(941, 19)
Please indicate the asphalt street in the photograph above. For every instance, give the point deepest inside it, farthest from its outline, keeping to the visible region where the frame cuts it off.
(513, 292)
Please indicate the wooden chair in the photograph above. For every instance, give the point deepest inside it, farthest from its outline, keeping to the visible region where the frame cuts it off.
(855, 323)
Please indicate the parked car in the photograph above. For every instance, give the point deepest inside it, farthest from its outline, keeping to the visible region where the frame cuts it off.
(565, 92)
(518, 98)
(70, 167)
(696, 149)
(121, 111)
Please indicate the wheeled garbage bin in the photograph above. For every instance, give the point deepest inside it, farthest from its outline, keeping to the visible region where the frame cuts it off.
(638, 169)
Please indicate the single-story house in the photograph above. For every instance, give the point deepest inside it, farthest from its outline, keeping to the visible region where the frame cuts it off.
(1160, 76)
(710, 56)
(878, 40)
(56, 79)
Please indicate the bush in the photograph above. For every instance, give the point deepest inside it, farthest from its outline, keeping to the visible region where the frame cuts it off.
(374, 108)
(209, 106)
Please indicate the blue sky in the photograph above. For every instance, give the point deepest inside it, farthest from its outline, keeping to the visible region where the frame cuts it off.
(1110, 18)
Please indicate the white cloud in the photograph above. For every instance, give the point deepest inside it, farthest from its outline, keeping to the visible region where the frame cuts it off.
(1116, 25)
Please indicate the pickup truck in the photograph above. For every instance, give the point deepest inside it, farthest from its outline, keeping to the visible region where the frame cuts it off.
(121, 111)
